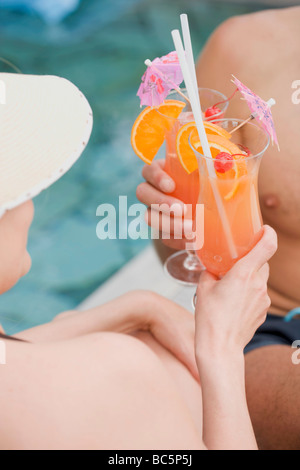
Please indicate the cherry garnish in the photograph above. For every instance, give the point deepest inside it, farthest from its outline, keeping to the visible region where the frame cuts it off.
(223, 162)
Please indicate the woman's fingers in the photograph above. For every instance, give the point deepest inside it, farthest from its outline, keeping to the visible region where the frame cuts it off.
(260, 254)
(265, 272)
(156, 176)
(206, 281)
(174, 328)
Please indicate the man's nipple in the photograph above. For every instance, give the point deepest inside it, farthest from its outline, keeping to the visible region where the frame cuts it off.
(271, 201)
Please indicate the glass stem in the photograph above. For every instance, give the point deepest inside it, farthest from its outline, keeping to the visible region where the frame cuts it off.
(192, 262)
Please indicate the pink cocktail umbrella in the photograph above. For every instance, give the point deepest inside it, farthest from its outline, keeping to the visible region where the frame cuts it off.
(260, 109)
(162, 75)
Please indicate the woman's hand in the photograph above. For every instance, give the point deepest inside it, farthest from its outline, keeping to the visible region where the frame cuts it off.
(157, 190)
(230, 310)
(174, 328)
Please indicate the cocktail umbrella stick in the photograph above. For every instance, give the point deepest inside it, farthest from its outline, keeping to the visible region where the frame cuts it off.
(243, 124)
(270, 103)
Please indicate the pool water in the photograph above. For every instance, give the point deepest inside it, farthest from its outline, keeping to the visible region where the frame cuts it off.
(101, 48)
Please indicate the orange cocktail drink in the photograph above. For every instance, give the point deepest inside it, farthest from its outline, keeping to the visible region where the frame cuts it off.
(187, 185)
(236, 179)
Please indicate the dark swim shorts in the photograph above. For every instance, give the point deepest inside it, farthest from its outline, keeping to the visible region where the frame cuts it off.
(276, 330)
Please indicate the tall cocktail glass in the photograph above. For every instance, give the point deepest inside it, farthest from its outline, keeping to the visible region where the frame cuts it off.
(238, 188)
(184, 266)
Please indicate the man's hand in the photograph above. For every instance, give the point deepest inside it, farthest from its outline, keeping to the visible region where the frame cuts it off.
(158, 189)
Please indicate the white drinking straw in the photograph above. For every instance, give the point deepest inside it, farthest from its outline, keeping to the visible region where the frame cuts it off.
(188, 48)
(195, 104)
(189, 53)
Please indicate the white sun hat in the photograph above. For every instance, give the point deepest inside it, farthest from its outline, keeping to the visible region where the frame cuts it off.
(45, 124)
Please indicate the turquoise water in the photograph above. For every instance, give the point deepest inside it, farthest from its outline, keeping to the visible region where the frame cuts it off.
(101, 48)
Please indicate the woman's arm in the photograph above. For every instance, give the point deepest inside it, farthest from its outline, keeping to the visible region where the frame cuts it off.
(119, 315)
(226, 421)
(125, 314)
(227, 315)
(170, 324)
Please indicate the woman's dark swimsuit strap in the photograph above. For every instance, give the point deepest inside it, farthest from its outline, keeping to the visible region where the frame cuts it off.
(12, 338)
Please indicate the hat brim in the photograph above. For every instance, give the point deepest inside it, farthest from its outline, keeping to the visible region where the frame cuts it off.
(45, 124)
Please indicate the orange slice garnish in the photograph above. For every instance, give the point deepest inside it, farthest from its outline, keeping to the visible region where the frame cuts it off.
(214, 129)
(219, 141)
(217, 145)
(185, 153)
(189, 131)
(240, 168)
(149, 130)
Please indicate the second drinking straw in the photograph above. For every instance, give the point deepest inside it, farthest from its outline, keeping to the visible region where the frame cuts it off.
(188, 49)
(196, 108)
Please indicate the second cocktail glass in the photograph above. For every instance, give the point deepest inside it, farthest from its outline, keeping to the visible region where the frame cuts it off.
(237, 187)
(184, 266)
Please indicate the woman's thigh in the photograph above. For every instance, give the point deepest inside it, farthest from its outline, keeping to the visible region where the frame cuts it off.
(103, 391)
